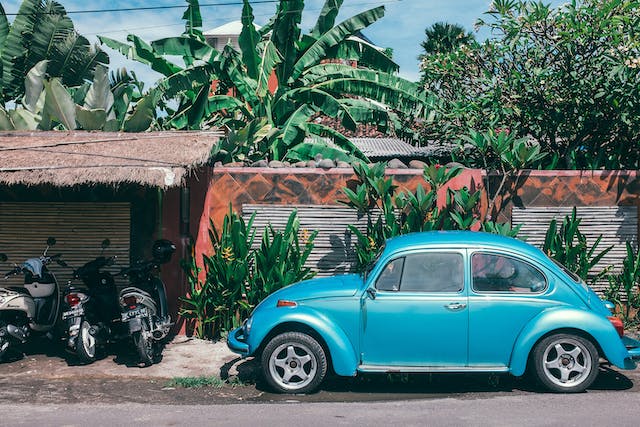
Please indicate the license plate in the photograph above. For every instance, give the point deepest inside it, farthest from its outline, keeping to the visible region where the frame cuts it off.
(75, 312)
(138, 312)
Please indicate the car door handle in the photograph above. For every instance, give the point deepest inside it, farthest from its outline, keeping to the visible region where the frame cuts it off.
(455, 306)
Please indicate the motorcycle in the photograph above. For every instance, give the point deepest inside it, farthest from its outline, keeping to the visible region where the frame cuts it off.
(144, 304)
(33, 308)
(92, 313)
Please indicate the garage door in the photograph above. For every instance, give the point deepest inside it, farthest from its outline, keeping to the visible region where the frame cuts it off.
(79, 228)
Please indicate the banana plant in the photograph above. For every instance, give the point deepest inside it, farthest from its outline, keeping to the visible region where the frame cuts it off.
(231, 89)
(42, 30)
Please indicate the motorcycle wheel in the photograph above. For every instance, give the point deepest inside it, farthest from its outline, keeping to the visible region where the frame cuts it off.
(144, 345)
(86, 344)
(4, 344)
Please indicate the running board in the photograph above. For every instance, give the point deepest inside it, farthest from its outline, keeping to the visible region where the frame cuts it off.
(422, 369)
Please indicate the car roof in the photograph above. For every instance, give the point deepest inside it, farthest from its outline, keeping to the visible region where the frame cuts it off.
(461, 239)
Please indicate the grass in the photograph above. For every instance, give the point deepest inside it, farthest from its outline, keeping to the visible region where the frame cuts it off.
(203, 381)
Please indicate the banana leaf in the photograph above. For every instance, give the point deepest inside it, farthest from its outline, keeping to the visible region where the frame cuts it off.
(141, 52)
(34, 86)
(292, 130)
(16, 48)
(338, 139)
(218, 103)
(4, 31)
(99, 95)
(143, 113)
(326, 102)
(193, 18)
(75, 60)
(91, 119)
(186, 47)
(59, 105)
(24, 120)
(333, 37)
(269, 58)
(308, 150)
(248, 41)
(285, 35)
(186, 80)
(327, 18)
(367, 55)
(5, 120)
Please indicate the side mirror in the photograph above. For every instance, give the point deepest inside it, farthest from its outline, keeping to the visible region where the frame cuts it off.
(371, 292)
(3, 257)
(105, 244)
(51, 241)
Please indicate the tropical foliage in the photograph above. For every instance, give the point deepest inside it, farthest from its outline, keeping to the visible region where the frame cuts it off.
(238, 275)
(624, 288)
(567, 245)
(42, 30)
(567, 77)
(230, 88)
(390, 212)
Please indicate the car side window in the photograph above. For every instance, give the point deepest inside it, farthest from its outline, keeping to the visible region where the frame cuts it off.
(433, 272)
(389, 279)
(499, 273)
(423, 272)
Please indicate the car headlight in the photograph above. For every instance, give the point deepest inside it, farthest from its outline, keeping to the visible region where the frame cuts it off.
(247, 325)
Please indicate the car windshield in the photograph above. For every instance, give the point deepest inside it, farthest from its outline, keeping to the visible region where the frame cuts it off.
(373, 262)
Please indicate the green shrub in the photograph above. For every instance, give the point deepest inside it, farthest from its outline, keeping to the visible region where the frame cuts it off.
(624, 288)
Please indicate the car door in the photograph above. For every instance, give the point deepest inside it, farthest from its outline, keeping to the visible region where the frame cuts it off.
(414, 313)
(506, 292)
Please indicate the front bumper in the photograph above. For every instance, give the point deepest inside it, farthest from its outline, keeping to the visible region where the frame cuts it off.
(633, 347)
(236, 342)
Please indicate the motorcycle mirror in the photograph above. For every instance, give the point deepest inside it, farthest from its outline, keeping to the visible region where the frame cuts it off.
(105, 243)
(51, 241)
(3, 257)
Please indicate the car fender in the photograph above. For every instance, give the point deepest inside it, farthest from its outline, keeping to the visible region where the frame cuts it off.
(341, 349)
(597, 326)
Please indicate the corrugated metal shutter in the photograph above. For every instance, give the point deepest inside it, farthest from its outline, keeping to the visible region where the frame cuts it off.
(616, 224)
(333, 250)
(79, 228)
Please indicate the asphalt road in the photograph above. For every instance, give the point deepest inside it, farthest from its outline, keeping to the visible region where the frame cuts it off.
(443, 399)
(598, 408)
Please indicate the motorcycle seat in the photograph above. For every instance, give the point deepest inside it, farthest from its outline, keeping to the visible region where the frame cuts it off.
(18, 289)
(134, 290)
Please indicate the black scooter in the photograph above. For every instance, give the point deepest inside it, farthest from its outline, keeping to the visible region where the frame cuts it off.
(92, 312)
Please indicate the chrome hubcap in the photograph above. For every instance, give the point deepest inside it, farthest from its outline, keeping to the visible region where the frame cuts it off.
(567, 363)
(293, 366)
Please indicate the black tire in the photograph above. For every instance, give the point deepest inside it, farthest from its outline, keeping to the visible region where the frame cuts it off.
(145, 347)
(86, 347)
(294, 362)
(565, 363)
(4, 347)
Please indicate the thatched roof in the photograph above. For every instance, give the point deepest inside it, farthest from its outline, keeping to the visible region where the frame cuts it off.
(158, 159)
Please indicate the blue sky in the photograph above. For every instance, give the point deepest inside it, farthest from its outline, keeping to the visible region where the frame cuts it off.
(402, 28)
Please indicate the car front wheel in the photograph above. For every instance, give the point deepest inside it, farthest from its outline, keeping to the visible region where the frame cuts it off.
(294, 362)
(566, 363)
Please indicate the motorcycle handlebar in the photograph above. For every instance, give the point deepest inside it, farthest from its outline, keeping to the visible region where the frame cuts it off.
(13, 272)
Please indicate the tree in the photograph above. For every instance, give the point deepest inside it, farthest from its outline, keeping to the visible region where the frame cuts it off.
(42, 30)
(274, 125)
(565, 77)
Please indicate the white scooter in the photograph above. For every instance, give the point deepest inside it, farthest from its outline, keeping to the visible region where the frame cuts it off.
(32, 308)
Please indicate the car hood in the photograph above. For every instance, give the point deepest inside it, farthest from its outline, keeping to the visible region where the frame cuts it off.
(325, 287)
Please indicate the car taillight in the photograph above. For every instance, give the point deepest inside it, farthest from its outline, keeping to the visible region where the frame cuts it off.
(130, 301)
(72, 300)
(617, 323)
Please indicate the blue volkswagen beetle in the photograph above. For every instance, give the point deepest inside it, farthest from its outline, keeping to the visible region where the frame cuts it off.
(438, 302)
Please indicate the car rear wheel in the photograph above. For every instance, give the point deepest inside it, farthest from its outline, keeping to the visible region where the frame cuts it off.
(294, 362)
(566, 363)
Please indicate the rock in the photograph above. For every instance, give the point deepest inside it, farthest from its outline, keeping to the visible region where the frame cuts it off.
(276, 164)
(311, 164)
(342, 165)
(287, 164)
(234, 165)
(301, 164)
(417, 164)
(217, 165)
(396, 164)
(326, 164)
(260, 164)
(318, 157)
